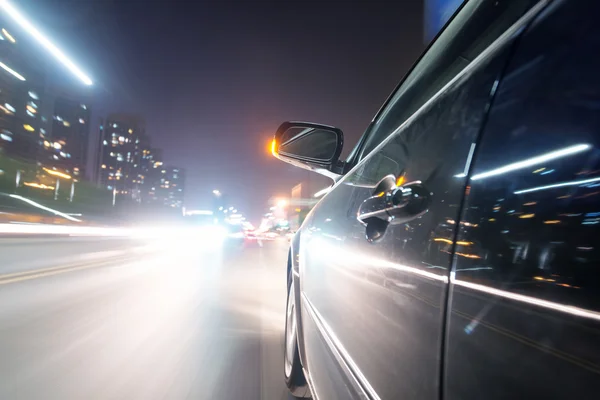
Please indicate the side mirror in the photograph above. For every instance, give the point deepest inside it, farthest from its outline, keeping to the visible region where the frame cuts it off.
(310, 146)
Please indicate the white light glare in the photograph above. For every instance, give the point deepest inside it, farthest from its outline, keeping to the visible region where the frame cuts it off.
(10, 10)
(557, 185)
(42, 207)
(12, 71)
(322, 192)
(529, 162)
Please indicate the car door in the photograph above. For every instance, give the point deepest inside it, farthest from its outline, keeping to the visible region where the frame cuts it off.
(373, 297)
(524, 320)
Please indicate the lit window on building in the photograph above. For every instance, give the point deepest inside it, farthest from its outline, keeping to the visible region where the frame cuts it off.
(105, 143)
(81, 121)
(115, 125)
(33, 95)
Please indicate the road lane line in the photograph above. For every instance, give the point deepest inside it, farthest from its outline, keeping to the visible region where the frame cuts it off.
(40, 273)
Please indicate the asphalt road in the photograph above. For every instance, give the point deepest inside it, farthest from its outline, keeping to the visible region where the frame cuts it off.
(100, 318)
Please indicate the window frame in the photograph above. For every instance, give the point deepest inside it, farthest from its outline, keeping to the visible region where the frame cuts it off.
(357, 152)
(417, 79)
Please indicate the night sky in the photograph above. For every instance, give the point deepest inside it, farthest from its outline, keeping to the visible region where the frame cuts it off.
(214, 79)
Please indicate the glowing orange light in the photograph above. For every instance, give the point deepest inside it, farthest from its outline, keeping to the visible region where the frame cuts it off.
(400, 181)
(460, 242)
(467, 255)
(38, 185)
(274, 147)
(541, 278)
(464, 243)
(57, 173)
(552, 221)
(527, 216)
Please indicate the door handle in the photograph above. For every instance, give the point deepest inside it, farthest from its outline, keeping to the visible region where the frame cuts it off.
(396, 205)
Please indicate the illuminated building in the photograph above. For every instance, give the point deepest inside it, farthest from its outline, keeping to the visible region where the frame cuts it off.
(34, 94)
(122, 143)
(71, 126)
(167, 187)
(22, 93)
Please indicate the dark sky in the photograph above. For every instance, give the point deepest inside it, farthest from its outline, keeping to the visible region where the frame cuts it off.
(215, 78)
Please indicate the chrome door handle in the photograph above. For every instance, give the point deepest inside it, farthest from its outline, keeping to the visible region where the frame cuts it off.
(396, 205)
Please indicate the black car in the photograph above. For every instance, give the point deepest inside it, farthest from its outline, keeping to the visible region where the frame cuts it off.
(457, 255)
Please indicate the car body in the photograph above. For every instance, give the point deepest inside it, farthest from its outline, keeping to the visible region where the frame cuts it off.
(457, 256)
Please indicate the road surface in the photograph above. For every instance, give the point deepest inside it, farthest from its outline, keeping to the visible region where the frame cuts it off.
(105, 318)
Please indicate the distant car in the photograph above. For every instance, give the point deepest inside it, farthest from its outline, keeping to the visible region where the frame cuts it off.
(235, 238)
(457, 256)
(252, 239)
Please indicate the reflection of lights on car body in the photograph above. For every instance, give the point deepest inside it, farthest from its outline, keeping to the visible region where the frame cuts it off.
(529, 162)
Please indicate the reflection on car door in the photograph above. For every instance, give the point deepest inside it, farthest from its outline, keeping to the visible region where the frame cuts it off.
(525, 309)
(380, 306)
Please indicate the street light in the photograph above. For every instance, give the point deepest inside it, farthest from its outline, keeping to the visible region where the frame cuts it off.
(281, 203)
(32, 30)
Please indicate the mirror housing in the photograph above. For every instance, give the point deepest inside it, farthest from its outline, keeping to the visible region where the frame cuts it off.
(310, 146)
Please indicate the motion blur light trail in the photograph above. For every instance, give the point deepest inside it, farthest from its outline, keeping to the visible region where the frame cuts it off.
(153, 316)
(43, 207)
(43, 40)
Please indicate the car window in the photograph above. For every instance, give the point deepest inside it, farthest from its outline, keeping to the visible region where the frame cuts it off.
(525, 293)
(473, 29)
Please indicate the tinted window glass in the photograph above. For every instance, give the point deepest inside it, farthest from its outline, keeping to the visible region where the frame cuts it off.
(526, 292)
(474, 28)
